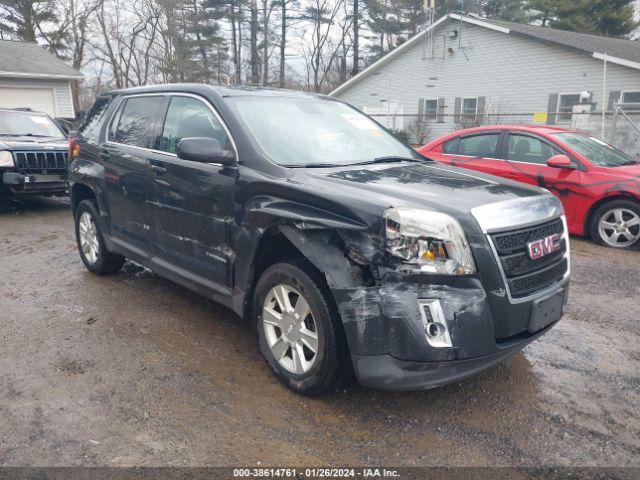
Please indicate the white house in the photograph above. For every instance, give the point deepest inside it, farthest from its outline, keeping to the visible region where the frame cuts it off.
(466, 69)
(31, 77)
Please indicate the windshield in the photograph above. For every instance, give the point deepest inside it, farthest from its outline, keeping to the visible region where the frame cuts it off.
(317, 132)
(596, 151)
(28, 123)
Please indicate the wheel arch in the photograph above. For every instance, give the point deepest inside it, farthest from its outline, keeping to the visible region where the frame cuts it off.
(80, 192)
(321, 249)
(602, 201)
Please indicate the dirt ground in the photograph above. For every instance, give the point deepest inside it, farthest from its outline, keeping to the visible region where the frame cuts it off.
(134, 370)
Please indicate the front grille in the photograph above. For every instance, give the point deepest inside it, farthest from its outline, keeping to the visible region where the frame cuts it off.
(525, 276)
(41, 162)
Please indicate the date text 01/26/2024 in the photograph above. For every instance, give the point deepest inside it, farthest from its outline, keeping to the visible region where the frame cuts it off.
(312, 473)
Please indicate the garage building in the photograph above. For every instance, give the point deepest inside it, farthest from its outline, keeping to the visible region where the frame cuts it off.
(31, 77)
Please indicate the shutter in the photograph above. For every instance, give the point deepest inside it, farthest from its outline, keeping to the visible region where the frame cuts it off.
(420, 108)
(480, 106)
(440, 116)
(456, 110)
(614, 97)
(552, 108)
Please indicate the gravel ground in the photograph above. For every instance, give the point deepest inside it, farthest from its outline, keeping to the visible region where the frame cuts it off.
(133, 370)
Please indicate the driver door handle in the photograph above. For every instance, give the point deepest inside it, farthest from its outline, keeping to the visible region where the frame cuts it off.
(158, 170)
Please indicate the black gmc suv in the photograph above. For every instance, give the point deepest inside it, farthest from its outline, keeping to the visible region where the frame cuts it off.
(33, 154)
(349, 251)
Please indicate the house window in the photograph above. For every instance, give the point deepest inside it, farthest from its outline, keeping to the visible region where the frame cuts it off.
(431, 109)
(632, 98)
(469, 108)
(566, 103)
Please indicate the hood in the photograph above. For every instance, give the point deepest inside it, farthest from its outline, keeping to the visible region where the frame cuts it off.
(431, 186)
(33, 143)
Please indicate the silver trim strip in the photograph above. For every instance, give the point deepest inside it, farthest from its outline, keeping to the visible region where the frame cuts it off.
(546, 291)
(517, 213)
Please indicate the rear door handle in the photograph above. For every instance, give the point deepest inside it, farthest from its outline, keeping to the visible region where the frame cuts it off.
(158, 170)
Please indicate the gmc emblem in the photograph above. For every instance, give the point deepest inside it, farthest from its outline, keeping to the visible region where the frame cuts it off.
(544, 246)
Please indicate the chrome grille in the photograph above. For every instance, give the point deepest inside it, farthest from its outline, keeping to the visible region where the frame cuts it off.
(525, 276)
(39, 161)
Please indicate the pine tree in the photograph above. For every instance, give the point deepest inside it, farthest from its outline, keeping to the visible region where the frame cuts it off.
(509, 10)
(613, 18)
(25, 18)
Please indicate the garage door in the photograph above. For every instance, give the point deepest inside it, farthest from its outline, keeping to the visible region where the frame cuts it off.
(40, 99)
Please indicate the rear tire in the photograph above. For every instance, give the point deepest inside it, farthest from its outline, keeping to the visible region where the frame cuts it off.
(299, 330)
(93, 252)
(616, 224)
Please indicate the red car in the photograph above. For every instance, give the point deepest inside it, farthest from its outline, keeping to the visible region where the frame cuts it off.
(598, 184)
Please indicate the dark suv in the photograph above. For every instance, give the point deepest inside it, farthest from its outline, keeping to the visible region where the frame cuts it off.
(33, 154)
(349, 250)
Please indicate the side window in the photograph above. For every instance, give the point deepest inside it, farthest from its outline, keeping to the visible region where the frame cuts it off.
(135, 123)
(479, 145)
(90, 128)
(523, 148)
(450, 147)
(190, 117)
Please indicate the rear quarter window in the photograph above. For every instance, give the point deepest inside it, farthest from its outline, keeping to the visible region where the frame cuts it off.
(90, 128)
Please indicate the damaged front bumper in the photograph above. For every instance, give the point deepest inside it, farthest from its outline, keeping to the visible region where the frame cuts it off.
(388, 331)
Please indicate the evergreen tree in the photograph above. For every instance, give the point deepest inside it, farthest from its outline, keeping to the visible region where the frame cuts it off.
(26, 18)
(509, 10)
(613, 18)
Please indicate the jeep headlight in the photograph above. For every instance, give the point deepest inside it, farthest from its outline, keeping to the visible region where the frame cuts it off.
(429, 242)
(6, 159)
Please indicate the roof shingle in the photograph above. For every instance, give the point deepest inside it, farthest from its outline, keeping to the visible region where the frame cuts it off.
(30, 59)
(624, 49)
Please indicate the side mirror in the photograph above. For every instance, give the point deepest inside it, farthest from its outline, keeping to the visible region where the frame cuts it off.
(561, 161)
(203, 150)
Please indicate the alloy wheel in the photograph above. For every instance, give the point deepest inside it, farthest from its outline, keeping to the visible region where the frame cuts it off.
(619, 227)
(88, 234)
(290, 329)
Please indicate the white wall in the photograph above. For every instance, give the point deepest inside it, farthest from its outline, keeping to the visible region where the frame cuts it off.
(516, 72)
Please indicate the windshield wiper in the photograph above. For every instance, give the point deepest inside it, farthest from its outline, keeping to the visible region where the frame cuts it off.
(390, 159)
(314, 165)
(630, 162)
(31, 135)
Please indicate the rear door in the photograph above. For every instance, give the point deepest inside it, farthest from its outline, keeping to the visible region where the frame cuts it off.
(526, 157)
(476, 151)
(126, 156)
(191, 203)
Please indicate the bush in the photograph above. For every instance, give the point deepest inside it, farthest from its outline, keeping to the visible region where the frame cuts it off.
(401, 135)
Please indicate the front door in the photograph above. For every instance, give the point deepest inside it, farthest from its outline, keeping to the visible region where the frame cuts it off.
(192, 202)
(125, 156)
(526, 157)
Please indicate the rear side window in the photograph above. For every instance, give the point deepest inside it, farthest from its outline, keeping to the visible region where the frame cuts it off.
(451, 146)
(135, 124)
(90, 128)
(479, 145)
(190, 117)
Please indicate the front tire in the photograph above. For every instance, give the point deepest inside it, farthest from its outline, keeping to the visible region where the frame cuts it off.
(299, 330)
(93, 252)
(616, 224)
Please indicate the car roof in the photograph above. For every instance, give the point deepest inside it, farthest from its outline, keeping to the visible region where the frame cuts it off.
(222, 91)
(544, 129)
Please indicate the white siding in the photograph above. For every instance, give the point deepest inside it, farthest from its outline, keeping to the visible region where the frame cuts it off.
(62, 92)
(516, 72)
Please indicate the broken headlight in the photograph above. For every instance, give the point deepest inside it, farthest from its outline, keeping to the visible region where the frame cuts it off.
(429, 242)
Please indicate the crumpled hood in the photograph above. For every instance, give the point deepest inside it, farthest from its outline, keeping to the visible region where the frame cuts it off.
(32, 143)
(432, 186)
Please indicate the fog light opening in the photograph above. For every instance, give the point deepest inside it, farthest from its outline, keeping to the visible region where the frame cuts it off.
(435, 326)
